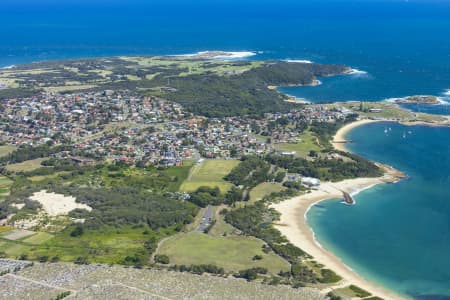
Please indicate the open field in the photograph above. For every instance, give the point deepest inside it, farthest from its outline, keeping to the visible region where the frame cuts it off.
(209, 173)
(39, 281)
(4, 229)
(26, 166)
(5, 183)
(13, 249)
(389, 111)
(231, 253)
(308, 142)
(38, 238)
(106, 245)
(264, 189)
(5, 150)
(220, 226)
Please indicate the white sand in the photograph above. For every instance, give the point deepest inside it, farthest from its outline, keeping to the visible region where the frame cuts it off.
(57, 204)
(294, 226)
(339, 138)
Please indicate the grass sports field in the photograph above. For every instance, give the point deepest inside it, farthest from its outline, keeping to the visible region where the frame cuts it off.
(231, 253)
(209, 173)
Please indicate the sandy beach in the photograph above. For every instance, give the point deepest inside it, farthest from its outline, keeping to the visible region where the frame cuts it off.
(339, 140)
(293, 223)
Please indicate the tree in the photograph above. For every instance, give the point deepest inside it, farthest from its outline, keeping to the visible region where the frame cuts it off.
(162, 259)
(233, 195)
(312, 153)
(77, 231)
(280, 176)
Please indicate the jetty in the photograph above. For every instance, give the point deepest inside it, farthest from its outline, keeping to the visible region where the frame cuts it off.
(343, 141)
(348, 198)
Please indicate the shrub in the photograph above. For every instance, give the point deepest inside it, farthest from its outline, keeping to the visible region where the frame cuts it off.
(162, 259)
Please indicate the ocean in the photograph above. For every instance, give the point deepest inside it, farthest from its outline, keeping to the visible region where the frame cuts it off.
(397, 235)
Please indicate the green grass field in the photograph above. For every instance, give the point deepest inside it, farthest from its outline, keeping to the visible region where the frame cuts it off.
(38, 238)
(5, 150)
(106, 245)
(308, 142)
(5, 229)
(26, 166)
(5, 183)
(231, 253)
(220, 227)
(264, 189)
(209, 173)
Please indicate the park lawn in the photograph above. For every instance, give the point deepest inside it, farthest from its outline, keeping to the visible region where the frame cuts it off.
(231, 253)
(38, 238)
(26, 166)
(308, 142)
(209, 173)
(264, 189)
(7, 149)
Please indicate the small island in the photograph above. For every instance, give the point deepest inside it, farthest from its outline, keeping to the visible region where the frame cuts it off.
(418, 99)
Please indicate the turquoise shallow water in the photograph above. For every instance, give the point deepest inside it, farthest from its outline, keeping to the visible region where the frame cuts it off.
(398, 234)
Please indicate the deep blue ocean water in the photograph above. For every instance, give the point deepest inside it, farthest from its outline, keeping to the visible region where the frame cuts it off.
(403, 46)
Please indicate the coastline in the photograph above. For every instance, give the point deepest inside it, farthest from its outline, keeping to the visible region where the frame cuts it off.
(293, 220)
(339, 140)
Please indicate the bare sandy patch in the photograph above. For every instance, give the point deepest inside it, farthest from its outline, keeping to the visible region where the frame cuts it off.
(57, 204)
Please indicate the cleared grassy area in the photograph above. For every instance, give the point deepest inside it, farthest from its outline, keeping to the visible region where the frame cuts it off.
(231, 253)
(221, 68)
(389, 111)
(5, 183)
(26, 166)
(12, 248)
(220, 227)
(209, 173)
(5, 229)
(69, 88)
(43, 177)
(106, 245)
(38, 238)
(7, 149)
(264, 189)
(308, 142)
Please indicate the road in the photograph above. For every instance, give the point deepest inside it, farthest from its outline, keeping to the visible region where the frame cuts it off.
(206, 219)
